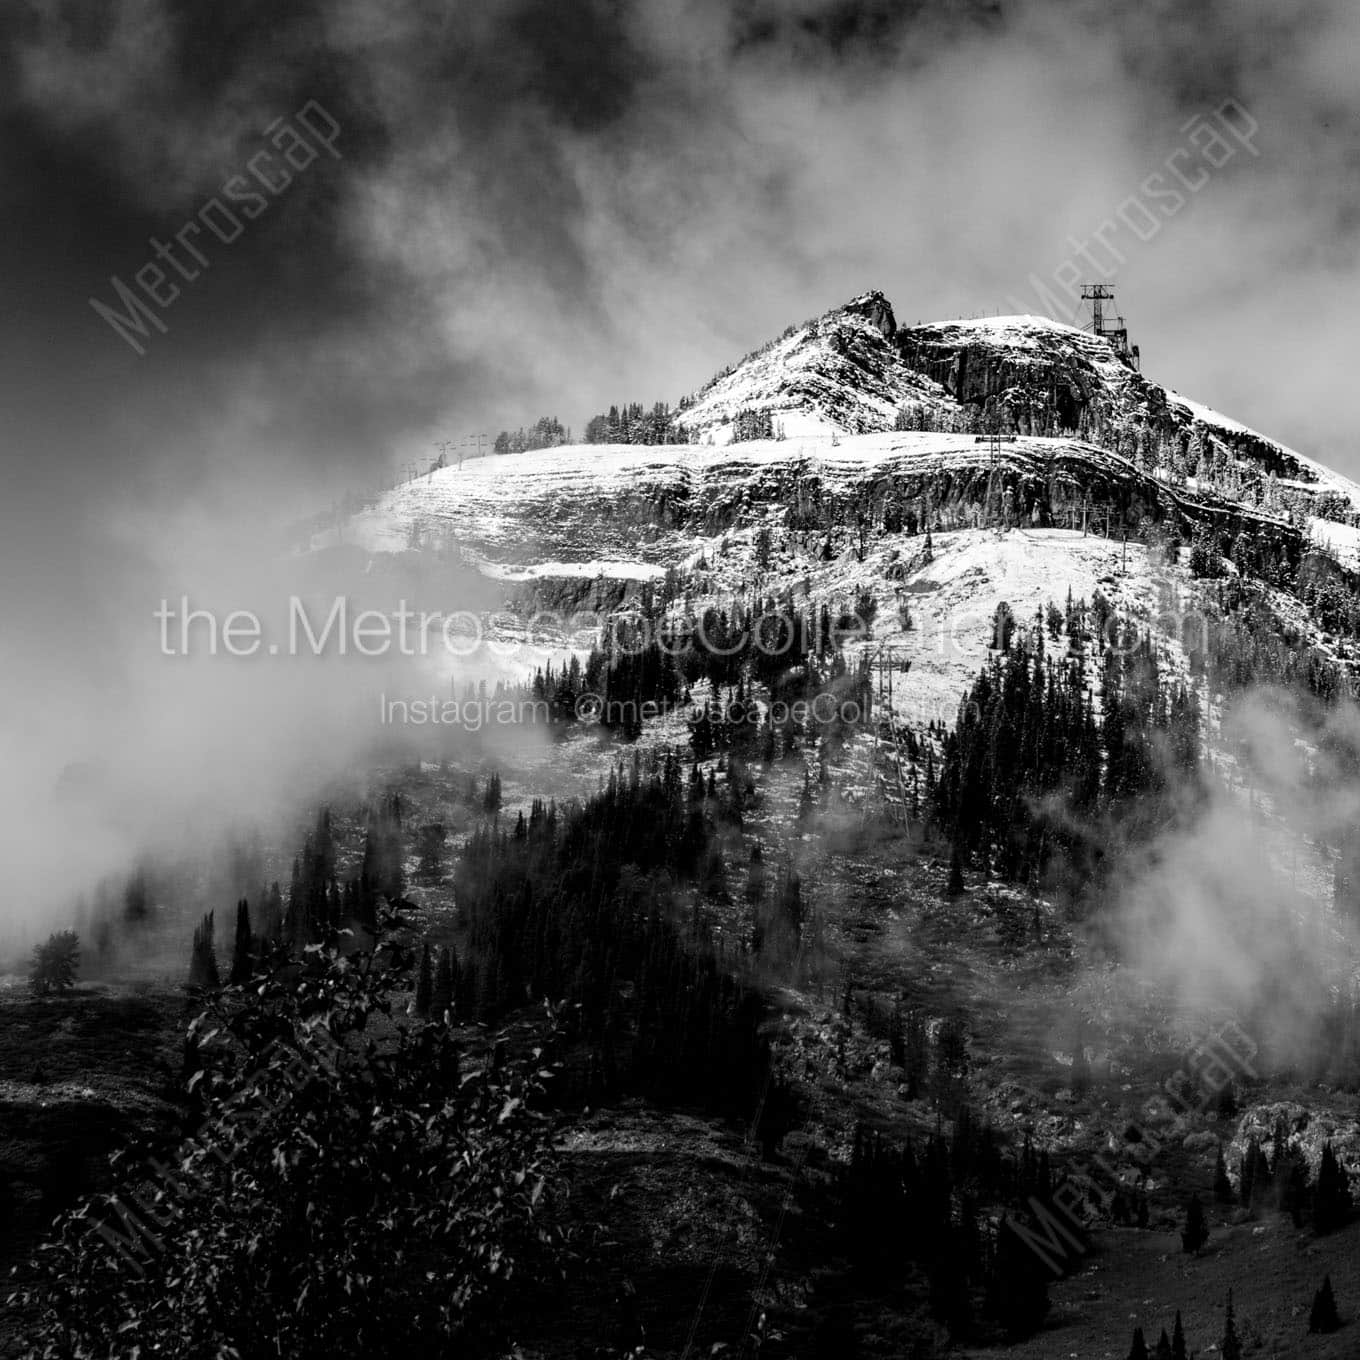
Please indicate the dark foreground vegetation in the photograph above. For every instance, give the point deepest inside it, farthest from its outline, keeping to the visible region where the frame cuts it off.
(379, 1102)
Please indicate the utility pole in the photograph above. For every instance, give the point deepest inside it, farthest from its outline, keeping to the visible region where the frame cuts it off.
(1097, 294)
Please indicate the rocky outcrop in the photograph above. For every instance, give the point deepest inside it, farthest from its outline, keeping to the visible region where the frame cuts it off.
(1044, 378)
(876, 310)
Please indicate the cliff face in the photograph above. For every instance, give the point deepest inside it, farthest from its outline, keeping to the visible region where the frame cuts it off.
(876, 310)
(854, 371)
(1040, 377)
(881, 429)
(658, 507)
(837, 374)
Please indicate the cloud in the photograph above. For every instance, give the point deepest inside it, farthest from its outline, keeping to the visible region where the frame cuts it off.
(548, 207)
(1233, 910)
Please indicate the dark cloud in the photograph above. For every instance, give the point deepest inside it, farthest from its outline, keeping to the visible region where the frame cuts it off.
(543, 202)
(873, 31)
(576, 57)
(552, 205)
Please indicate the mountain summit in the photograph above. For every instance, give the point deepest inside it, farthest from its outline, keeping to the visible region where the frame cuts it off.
(853, 370)
(938, 467)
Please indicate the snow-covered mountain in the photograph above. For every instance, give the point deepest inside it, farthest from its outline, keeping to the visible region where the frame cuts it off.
(854, 371)
(840, 373)
(1039, 460)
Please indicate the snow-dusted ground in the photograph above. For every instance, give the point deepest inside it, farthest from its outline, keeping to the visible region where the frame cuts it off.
(588, 509)
(1318, 477)
(627, 513)
(839, 373)
(952, 601)
(1341, 540)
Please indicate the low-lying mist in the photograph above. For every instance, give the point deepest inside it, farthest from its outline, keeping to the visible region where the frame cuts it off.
(121, 743)
(1233, 911)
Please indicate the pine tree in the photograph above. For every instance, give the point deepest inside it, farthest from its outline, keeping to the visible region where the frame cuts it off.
(1230, 1348)
(425, 985)
(1138, 1350)
(241, 961)
(273, 914)
(203, 960)
(1196, 1231)
(1332, 1197)
(1323, 1315)
(956, 886)
(441, 1002)
(1163, 1351)
(54, 963)
(1178, 1339)
(917, 1045)
(1019, 1286)
(1223, 1191)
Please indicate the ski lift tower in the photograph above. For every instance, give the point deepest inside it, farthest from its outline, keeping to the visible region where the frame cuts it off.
(1111, 327)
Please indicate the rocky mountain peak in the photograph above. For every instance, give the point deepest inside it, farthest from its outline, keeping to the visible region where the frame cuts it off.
(876, 309)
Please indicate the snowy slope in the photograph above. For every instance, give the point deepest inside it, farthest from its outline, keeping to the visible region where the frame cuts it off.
(630, 509)
(1018, 520)
(839, 373)
(853, 371)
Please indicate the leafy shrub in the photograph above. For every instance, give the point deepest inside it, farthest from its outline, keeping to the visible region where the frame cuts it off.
(351, 1191)
(54, 963)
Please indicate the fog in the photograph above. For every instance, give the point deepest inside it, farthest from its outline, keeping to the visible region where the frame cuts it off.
(547, 207)
(1232, 912)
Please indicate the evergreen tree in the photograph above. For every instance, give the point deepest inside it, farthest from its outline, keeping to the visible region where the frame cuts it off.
(203, 959)
(1231, 1347)
(917, 1053)
(135, 898)
(1196, 1231)
(1019, 1287)
(430, 851)
(273, 914)
(241, 961)
(1178, 1339)
(956, 886)
(1138, 1350)
(54, 964)
(1163, 1351)
(441, 1001)
(1332, 1196)
(1323, 1315)
(1227, 1100)
(425, 985)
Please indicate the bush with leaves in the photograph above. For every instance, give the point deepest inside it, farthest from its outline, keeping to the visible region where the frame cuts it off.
(352, 1191)
(54, 963)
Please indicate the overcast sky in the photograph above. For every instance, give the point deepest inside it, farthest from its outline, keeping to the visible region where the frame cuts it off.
(544, 206)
